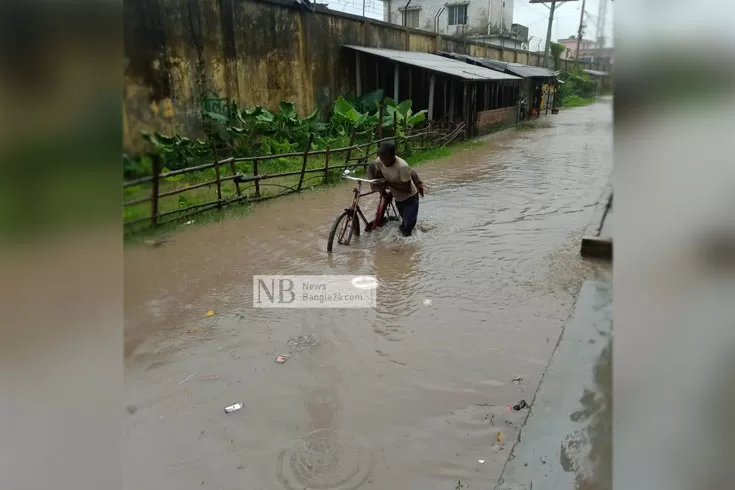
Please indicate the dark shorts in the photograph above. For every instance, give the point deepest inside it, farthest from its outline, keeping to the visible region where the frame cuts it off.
(409, 210)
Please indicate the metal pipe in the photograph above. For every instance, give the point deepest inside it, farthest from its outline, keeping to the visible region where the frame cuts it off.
(405, 12)
(436, 19)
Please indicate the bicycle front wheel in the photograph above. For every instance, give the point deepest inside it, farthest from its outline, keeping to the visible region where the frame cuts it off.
(342, 229)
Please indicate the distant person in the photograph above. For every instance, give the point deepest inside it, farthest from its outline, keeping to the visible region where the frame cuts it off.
(402, 182)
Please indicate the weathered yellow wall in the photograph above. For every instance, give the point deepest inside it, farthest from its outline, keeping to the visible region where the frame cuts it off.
(252, 52)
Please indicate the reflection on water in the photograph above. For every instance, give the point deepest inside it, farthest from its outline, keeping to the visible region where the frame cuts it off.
(495, 252)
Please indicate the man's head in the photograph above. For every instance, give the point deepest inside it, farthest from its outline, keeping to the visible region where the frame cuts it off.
(387, 153)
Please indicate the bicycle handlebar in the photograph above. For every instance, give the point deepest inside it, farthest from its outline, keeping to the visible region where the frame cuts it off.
(368, 181)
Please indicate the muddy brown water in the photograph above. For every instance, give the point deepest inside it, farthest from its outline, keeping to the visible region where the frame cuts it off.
(407, 395)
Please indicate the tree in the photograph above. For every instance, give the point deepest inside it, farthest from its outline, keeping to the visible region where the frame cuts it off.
(556, 50)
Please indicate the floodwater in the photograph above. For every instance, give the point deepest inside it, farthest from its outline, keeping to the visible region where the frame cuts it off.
(411, 394)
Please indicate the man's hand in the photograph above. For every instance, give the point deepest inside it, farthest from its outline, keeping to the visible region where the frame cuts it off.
(379, 185)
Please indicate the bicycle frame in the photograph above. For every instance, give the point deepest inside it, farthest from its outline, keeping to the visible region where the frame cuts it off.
(354, 209)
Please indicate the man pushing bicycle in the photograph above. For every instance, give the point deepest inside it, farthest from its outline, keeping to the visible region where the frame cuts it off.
(403, 182)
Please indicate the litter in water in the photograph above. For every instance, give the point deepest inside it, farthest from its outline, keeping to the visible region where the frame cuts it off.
(187, 378)
(501, 438)
(190, 222)
(280, 359)
(427, 302)
(207, 377)
(481, 461)
(303, 342)
(520, 405)
(517, 380)
(210, 313)
(233, 408)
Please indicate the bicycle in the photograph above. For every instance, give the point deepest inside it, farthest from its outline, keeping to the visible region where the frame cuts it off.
(348, 223)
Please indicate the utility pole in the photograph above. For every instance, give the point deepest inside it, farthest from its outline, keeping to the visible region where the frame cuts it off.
(601, 24)
(581, 30)
(548, 33)
(552, 9)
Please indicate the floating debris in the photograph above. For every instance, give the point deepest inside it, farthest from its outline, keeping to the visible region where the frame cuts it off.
(233, 408)
(427, 302)
(303, 342)
(157, 242)
(187, 378)
(187, 335)
(210, 313)
(481, 461)
(517, 380)
(208, 377)
(280, 359)
(500, 437)
(190, 222)
(520, 405)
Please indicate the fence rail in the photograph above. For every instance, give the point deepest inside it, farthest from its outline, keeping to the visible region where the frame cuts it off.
(355, 156)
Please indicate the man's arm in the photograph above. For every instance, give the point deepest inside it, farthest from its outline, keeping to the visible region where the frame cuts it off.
(417, 182)
(374, 173)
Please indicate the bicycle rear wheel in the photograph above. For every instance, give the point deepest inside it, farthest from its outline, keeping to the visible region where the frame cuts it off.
(342, 229)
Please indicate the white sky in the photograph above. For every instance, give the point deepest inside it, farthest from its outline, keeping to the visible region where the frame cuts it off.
(534, 16)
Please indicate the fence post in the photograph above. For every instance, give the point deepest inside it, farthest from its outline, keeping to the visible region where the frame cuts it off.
(306, 158)
(380, 124)
(395, 130)
(349, 149)
(234, 174)
(255, 174)
(326, 166)
(219, 185)
(367, 148)
(156, 170)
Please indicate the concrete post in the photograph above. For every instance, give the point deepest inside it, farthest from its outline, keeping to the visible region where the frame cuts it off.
(358, 74)
(395, 83)
(431, 97)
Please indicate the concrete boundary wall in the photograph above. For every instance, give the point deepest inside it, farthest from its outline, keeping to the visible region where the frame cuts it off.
(251, 52)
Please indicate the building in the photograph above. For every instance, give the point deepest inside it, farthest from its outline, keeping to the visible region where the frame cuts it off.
(517, 38)
(463, 18)
(451, 91)
(605, 56)
(570, 44)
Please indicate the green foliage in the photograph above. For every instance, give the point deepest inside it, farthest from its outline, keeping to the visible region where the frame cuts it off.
(577, 101)
(577, 83)
(257, 131)
(556, 50)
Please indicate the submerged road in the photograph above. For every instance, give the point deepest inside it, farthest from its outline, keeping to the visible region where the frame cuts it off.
(412, 394)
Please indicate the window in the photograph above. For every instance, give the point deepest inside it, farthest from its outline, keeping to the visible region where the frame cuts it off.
(411, 18)
(457, 14)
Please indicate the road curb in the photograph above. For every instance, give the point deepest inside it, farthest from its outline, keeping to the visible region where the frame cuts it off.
(594, 243)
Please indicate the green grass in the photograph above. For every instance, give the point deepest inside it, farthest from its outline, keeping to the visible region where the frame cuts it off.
(206, 194)
(577, 101)
(526, 126)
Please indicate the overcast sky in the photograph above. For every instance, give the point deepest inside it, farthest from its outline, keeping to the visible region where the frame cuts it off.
(534, 16)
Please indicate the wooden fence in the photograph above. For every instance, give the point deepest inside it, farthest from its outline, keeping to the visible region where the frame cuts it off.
(338, 159)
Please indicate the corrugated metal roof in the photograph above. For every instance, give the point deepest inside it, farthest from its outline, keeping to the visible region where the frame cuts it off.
(524, 71)
(596, 73)
(437, 63)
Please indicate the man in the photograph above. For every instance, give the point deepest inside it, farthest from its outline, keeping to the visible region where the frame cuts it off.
(372, 173)
(403, 183)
